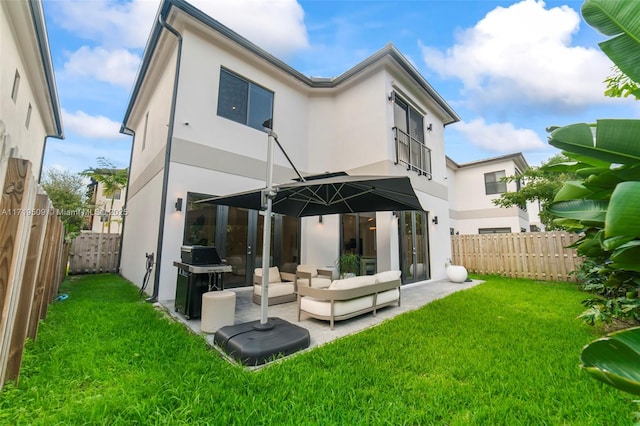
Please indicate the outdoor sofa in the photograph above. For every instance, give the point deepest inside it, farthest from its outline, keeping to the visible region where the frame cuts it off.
(282, 286)
(350, 297)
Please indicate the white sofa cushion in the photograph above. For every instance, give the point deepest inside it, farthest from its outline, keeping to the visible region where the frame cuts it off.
(275, 289)
(318, 282)
(310, 269)
(386, 276)
(323, 307)
(388, 296)
(353, 282)
(274, 274)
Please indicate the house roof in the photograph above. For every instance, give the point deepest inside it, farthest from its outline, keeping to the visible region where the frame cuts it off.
(32, 36)
(388, 51)
(517, 158)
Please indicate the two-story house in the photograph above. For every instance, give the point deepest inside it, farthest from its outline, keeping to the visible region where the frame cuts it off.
(197, 110)
(108, 208)
(29, 106)
(472, 188)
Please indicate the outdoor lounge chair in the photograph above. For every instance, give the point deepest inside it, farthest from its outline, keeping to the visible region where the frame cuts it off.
(282, 286)
(310, 276)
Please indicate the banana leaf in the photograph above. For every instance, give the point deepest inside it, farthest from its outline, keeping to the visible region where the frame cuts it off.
(627, 256)
(582, 210)
(616, 141)
(620, 20)
(624, 211)
(572, 190)
(615, 360)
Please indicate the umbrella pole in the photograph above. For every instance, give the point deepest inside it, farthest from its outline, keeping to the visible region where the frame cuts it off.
(266, 237)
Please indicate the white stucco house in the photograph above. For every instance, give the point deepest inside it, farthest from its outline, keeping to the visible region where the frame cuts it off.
(472, 188)
(105, 206)
(196, 114)
(29, 105)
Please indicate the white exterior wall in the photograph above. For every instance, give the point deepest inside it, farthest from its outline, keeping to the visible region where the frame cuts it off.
(473, 209)
(18, 53)
(140, 234)
(197, 104)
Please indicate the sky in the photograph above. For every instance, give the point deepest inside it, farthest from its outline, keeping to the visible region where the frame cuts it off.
(510, 69)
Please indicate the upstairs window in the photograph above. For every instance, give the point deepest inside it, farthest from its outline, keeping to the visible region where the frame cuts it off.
(16, 86)
(492, 183)
(244, 102)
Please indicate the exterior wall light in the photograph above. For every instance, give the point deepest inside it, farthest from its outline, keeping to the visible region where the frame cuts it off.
(179, 205)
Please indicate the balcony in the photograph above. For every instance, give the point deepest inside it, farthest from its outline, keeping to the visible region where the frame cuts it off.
(412, 153)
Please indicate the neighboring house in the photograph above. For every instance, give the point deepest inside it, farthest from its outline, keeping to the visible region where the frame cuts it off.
(196, 113)
(29, 106)
(472, 188)
(105, 206)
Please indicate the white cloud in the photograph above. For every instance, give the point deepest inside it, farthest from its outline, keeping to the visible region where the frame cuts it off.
(89, 126)
(276, 26)
(499, 137)
(522, 54)
(117, 67)
(108, 22)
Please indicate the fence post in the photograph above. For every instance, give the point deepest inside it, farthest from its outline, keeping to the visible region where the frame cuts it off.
(27, 291)
(18, 194)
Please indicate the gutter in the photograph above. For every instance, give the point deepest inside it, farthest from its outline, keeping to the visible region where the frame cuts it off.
(167, 162)
(126, 194)
(39, 25)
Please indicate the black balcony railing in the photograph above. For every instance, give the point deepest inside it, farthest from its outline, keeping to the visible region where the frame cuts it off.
(412, 153)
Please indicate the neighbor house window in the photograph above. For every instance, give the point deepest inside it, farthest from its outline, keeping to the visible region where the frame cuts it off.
(492, 183)
(494, 230)
(28, 120)
(16, 86)
(244, 102)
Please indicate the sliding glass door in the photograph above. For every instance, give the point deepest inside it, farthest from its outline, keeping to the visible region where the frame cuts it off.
(414, 246)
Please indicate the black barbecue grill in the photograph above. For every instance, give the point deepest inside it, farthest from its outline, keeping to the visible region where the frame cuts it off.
(199, 271)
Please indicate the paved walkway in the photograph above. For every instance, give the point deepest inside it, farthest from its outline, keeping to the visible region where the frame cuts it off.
(413, 297)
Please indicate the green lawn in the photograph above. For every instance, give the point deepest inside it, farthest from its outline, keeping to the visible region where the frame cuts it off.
(502, 353)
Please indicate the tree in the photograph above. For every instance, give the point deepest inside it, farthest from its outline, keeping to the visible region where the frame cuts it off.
(539, 184)
(112, 180)
(66, 192)
(619, 85)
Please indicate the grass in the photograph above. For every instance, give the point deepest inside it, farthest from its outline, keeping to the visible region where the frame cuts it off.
(503, 353)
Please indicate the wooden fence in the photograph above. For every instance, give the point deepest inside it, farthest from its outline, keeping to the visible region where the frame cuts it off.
(32, 260)
(535, 255)
(94, 252)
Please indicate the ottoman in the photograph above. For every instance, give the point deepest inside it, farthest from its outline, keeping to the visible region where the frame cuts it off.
(218, 310)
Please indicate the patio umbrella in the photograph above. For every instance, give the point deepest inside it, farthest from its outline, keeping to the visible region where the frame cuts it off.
(317, 195)
(330, 194)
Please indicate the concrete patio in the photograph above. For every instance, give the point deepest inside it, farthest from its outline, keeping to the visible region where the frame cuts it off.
(413, 296)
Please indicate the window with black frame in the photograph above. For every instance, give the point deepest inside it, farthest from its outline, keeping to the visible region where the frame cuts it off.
(493, 183)
(244, 102)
